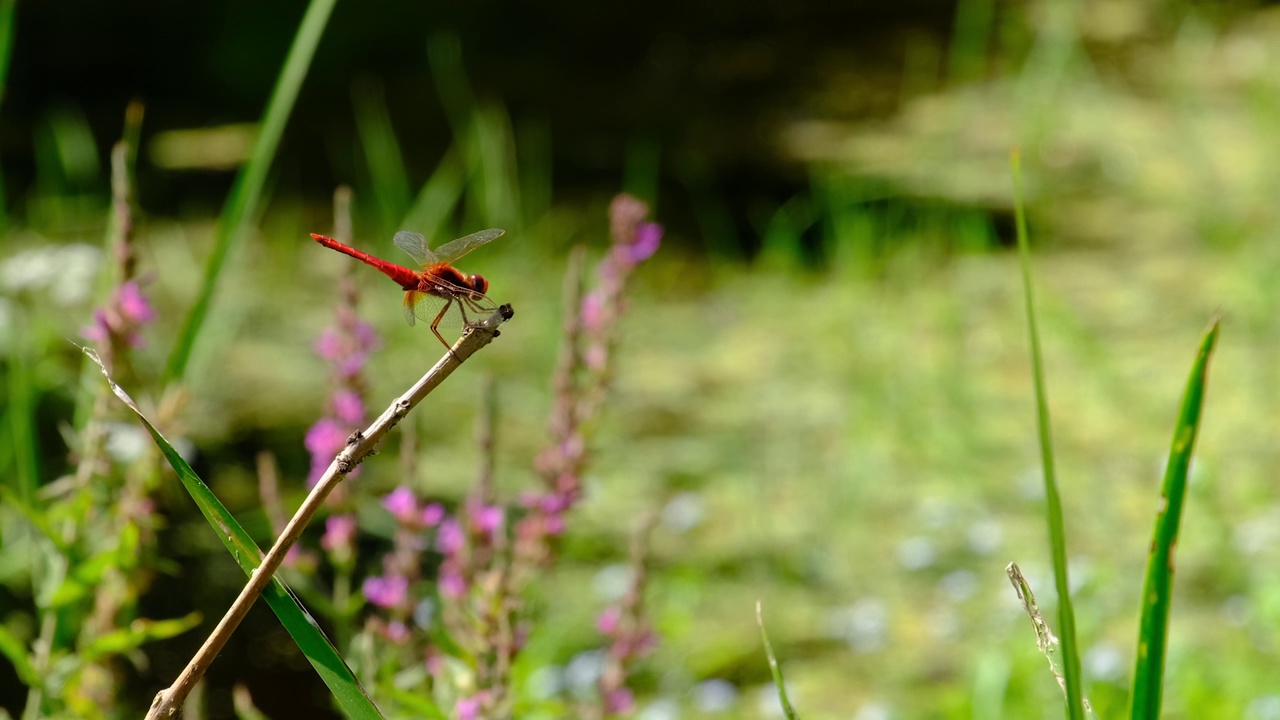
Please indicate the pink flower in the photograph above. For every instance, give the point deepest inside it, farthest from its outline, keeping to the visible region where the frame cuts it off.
(100, 330)
(432, 514)
(469, 708)
(348, 406)
(351, 365)
(619, 701)
(648, 238)
(402, 505)
(388, 592)
(326, 437)
(449, 539)
(339, 532)
(608, 621)
(434, 661)
(553, 525)
(133, 304)
(593, 310)
(596, 357)
(324, 440)
(555, 502)
(451, 582)
(487, 518)
(329, 345)
(625, 213)
(366, 337)
(396, 632)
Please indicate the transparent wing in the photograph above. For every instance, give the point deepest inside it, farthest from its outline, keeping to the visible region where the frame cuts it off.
(416, 245)
(412, 300)
(455, 249)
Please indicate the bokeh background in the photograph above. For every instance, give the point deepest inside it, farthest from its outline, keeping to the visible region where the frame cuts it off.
(822, 384)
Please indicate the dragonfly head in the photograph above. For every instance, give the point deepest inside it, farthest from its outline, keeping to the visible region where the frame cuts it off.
(478, 283)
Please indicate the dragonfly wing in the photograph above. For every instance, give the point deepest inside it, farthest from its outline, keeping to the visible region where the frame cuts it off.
(455, 249)
(416, 245)
(412, 299)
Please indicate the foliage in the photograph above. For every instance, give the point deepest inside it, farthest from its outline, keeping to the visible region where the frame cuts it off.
(834, 428)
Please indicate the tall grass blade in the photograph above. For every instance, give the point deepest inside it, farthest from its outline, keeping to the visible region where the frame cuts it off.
(21, 412)
(382, 152)
(484, 134)
(247, 190)
(1157, 590)
(1053, 502)
(439, 196)
(347, 691)
(774, 668)
(7, 23)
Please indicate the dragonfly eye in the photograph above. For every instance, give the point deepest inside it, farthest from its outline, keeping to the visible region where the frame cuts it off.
(479, 284)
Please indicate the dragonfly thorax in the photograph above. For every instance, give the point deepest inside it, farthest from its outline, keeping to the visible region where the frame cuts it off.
(458, 280)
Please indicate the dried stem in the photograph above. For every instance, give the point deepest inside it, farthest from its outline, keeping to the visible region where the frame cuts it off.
(360, 445)
(1045, 640)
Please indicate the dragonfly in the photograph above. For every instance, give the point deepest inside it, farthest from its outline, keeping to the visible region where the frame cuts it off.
(431, 292)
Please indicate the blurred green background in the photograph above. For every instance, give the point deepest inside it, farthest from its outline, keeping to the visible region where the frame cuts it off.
(822, 381)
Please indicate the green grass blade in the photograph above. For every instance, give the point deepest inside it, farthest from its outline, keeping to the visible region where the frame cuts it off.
(1157, 590)
(247, 190)
(1053, 502)
(7, 8)
(774, 668)
(328, 663)
(439, 196)
(382, 152)
(137, 633)
(13, 649)
(21, 412)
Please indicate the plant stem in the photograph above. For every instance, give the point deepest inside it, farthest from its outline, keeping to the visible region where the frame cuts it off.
(168, 703)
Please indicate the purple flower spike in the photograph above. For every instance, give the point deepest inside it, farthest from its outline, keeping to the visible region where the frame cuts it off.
(326, 437)
(100, 330)
(329, 345)
(133, 304)
(432, 514)
(450, 538)
(554, 525)
(452, 584)
(402, 505)
(397, 632)
(648, 238)
(387, 592)
(607, 623)
(324, 440)
(348, 406)
(619, 702)
(487, 518)
(468, 708)
(367, 337)
(339, 532)
(593, 310)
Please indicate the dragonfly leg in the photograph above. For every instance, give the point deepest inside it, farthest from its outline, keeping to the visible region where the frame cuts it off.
(435, 324)
(475, 304)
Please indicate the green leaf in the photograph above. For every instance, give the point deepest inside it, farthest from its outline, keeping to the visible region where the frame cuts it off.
(416, 704)
(1157, 590)
(83, 578)
(139, 631)
(328, 663)
(774, 668)
(16, 651)
(245, 193)
(34, 515)
(1053, 501)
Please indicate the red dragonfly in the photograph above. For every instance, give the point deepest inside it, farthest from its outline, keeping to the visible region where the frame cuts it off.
(438, 285)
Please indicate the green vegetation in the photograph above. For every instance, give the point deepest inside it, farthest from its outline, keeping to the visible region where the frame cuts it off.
(845, 431)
